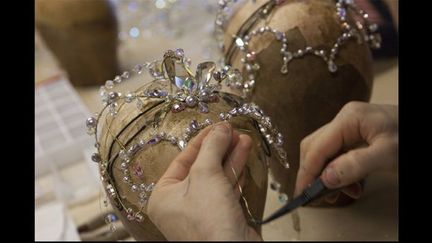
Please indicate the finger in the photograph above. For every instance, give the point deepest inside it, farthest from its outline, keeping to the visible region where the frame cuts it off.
(179, 167)
(237, 159)
(354, 190)
(304, 145)
(214, 148)
(332, 198)
(327, 143)
(356, 164)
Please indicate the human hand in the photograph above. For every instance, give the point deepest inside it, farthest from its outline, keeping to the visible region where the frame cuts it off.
(197, 197)
(362, 138)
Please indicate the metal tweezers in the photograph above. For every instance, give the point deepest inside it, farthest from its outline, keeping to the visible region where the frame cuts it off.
(314, 191)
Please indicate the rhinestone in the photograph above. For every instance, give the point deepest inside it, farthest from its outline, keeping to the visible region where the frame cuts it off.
(342, 12)
(177, 107)
(155, 70)
(279, 35)
(102, 91)
(239, 42)
(112, 96)
(300, 53)
(138, 68)
(179, 53)
(134, 188)
(110, 218)
(288, 55)
(191, 101)
(109, 84)
(138, 171)
(96, 157)
(150, 187)
(332, 66)
(125, 75)
(188, 130)
(117, 79)
(172, 139)
(142, 187)
(208, 122)
(284, 69)
(126, 179)
(194, 125)
(275, 186)
(283, 198)
(373, 27)
(139, 217)
(129, 97)
(203, 95)
(181, 144)
(91, 122)
(154, 140)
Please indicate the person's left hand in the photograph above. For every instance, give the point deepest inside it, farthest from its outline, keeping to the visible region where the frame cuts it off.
(197, 197)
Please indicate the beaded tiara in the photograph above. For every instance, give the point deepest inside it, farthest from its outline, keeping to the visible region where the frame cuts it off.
(174, 88)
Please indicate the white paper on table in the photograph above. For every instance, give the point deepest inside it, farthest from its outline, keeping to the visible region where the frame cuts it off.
(53, 223)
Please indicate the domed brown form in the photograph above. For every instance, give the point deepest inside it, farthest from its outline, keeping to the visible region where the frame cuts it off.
(155, 160)
(137, 143)
(83, 36)
(308, 96)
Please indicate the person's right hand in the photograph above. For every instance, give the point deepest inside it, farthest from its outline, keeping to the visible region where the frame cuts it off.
(362, 138)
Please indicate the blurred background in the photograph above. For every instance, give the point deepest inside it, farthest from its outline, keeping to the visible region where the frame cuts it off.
(79, 44)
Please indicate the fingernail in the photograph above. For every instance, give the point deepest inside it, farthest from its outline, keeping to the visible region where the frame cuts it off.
(222, 127)
(331, 177)
(332, 198)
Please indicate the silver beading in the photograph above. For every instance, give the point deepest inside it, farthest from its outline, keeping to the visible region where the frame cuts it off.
(362, 32)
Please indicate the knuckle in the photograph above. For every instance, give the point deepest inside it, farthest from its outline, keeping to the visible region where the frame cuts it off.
(354, 167)
(353, 107)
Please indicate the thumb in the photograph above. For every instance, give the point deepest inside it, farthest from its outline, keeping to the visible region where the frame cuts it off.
(214, 147)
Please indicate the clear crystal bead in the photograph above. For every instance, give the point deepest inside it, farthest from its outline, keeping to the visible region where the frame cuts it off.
(109, 84)
(283, 198)
(181, 144)
(179, 53)
(284, 69)
(125, 75)
(239, 42)
(117, 79)
(102, 91)
(138, 68)
(129, 97)
(332, 66)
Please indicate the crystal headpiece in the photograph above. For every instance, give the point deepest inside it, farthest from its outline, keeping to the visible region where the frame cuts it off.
(174, 88)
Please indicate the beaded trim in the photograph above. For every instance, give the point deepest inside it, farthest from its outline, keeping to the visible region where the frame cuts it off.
(361, 32)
